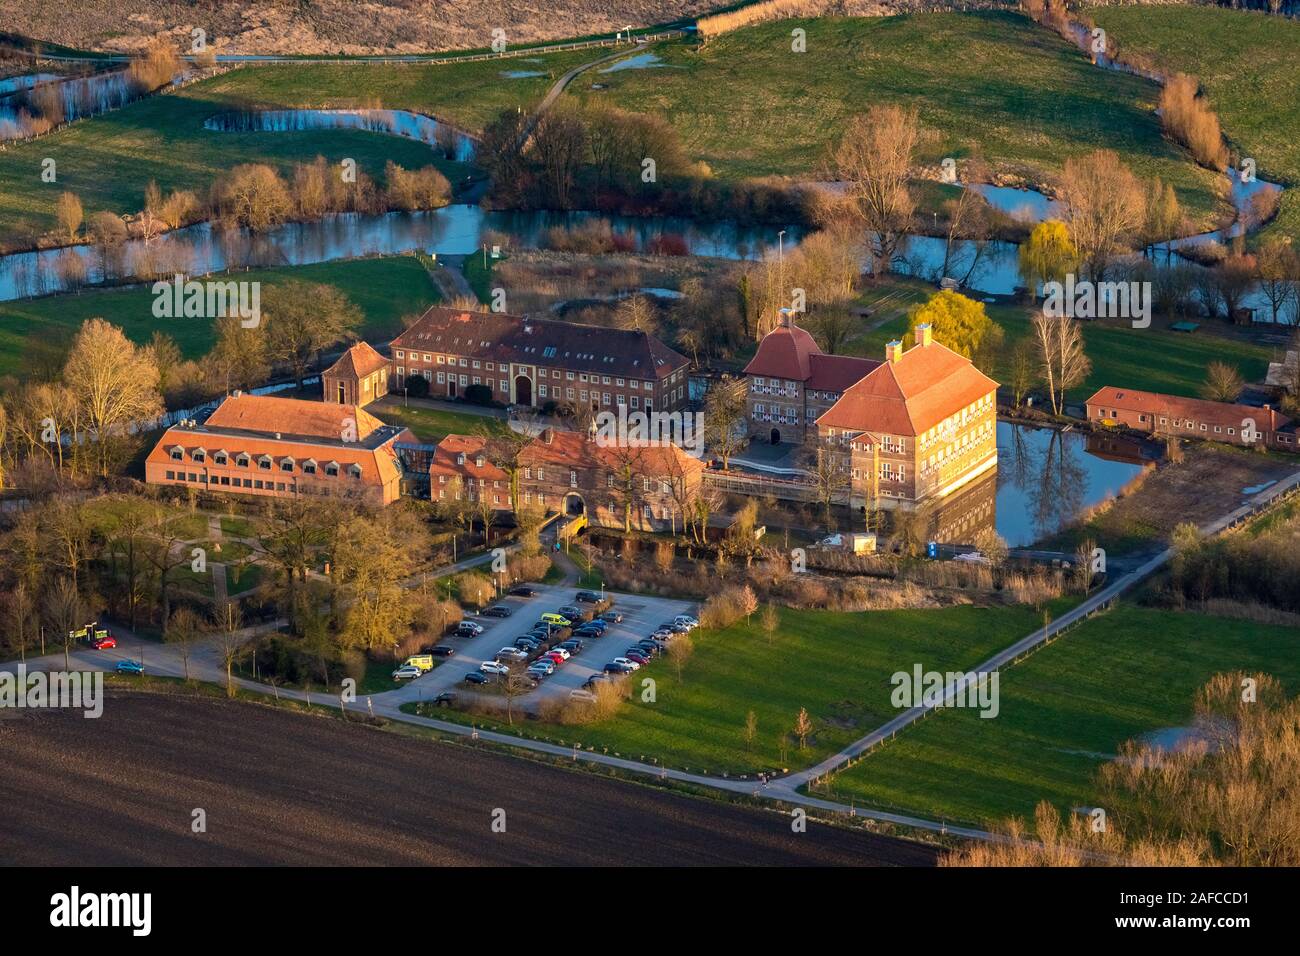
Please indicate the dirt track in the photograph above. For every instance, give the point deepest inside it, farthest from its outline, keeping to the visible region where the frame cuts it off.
(283, 788)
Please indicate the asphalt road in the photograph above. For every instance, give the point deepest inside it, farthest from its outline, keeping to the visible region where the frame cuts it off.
(284, 788)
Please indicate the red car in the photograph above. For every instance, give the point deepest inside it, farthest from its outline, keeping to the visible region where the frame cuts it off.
(102, 643)
(558, 659)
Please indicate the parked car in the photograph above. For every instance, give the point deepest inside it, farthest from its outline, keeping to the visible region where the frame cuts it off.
(561, 651)
(512, 654)
(572, 612)
(494, 667)
(129, 667)
(103, 643)
(572, 645)
(446, 699)
(543, 664)
(421, 662)
(469, 629)
(443, 650)
(628, 663)
(523, 591)
(588, 597)
(614, 667)
(637, 657)
(527, 644)
(611, 617)
(596, 623)
(407, 672)
(586, 696)
(690, 622)
(499, 610)
(474, 677)
(587, 632)
(593, 680)
(663, 634)
(555, 620)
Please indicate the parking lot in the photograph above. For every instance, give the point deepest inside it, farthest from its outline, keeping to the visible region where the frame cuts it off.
(641, 615)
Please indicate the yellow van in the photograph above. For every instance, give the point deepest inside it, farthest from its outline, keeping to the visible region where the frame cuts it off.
(555, 620)
(423, 661)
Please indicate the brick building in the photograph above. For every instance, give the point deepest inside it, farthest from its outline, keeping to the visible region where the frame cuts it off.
(461, 466)
(282, 448)
(571, 473)
(1192, 418)
(919, 427)
(792, 383)
(530, 362)
(358, 378)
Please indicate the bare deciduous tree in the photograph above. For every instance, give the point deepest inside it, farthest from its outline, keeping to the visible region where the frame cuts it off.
(1064, 363)
(1104, 207)
(874, 160)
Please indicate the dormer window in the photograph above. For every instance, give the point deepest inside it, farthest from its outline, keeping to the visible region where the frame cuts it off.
(354, 470)
(178, 453)
(332, 468)
(479, 461)
(221, 458)
(286, 464)
(264, 463)
(199, 454)
(309, 466)
(242, 461)
(460, 459)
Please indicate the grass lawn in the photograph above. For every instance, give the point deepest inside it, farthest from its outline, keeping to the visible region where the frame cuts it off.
(191, 527)
(384, 289)
(108, 160)
(1153, 359)
(478, 273)
(1248, 71)
(237, 527)
(991, 85)
(836, 665)
(1063, 712)
(434, 424)
(244, 577)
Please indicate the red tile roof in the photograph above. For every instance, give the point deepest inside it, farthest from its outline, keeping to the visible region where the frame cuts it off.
(784, 353)
(358, 361)
(572, 448)
(790, 353)
(628, 353)
(911, 395)
(836, 373)
(1197, 409)
(292, 417)
(471, 446)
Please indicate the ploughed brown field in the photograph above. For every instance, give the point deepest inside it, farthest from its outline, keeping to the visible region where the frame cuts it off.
(285, 788)
(334, 26)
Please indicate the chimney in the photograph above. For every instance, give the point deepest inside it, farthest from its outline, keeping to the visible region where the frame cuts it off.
(783, 318)
(923, 334)
(893, 351)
